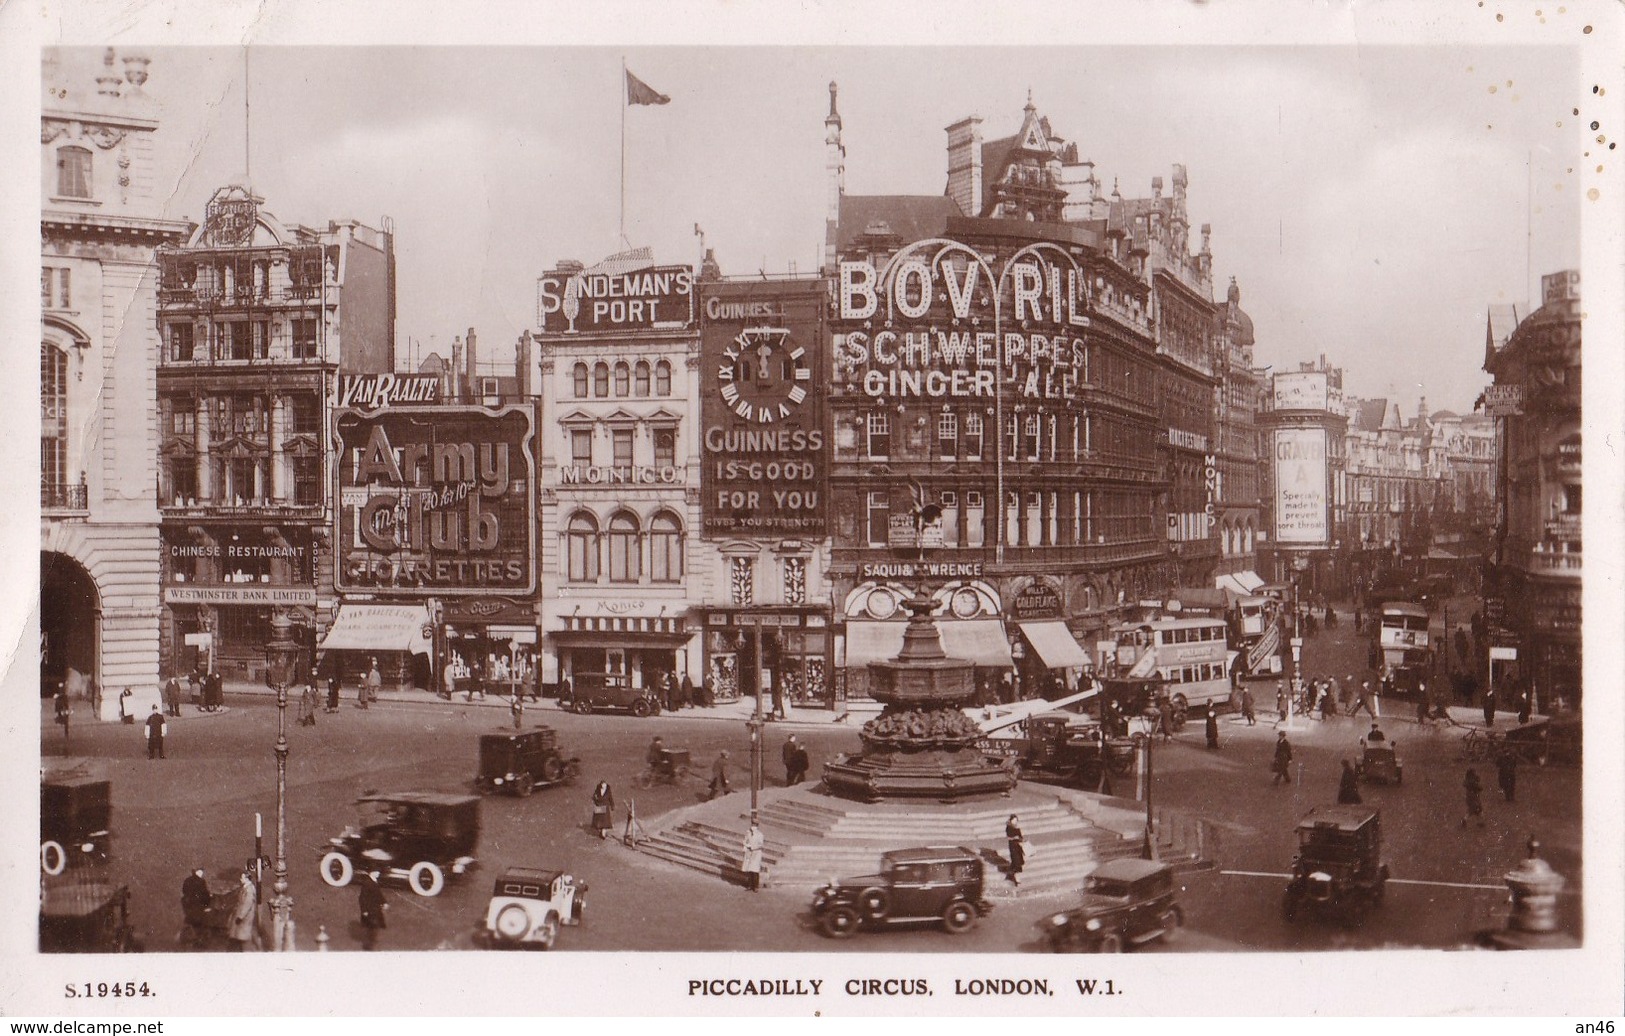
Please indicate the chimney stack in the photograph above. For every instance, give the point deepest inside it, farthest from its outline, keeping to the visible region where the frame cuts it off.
(457, 381)
(965, 165)
(473, 370)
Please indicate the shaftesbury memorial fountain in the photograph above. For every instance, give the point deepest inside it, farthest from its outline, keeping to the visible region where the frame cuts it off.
(923, 744)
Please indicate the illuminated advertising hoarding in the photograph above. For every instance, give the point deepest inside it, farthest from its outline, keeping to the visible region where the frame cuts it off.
(1300, 486)
(436, 500)
(763, 372)
(1303, 390)
(619, 294)
(942, 322)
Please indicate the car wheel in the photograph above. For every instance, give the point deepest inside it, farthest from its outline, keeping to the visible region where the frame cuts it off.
(1172, 920)
(840, 922)
(547, 932)
(552, 769)
(959, 918)
(511, 923)
(524, 785)
(1111, 944)
(875, 903)
(53, 859)
(582, 708)
(640, 708)
(427, 879)
(337, 870)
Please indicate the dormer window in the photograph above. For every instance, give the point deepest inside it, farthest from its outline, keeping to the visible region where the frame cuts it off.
(73, 172)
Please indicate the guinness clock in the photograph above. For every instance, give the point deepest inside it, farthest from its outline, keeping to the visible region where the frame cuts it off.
(763, 375)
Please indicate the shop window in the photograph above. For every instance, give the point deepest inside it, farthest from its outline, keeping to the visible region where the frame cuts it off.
(579, 379)
(662, 378)
(879, 517)
(640, 378)
(947, 434)
(879, 435)
(581, 447)
(623, 549)
(600, 380)
(581, 546)
(973, 436)
(303, 330)
(182, 342)
(665, 448)
(665, 549)
(621, 440)
(623, 380)
(73, 172)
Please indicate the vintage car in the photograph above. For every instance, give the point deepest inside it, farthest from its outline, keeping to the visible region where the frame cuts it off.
(520, 761)
(528, 906)
(593, 691)
(1063, 747)
(927, 884)
(415, 836)
(1338, 871)
(75, 818)
(86, 917)
(1379, 763)
(1126, 902)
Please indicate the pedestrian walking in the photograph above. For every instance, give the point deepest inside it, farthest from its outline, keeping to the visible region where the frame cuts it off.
(448, 681)
(1474, 790)
(333, 691)
(157, 726)
(667, 692)
(125, 715)
(307, 702)
(719, 776)
(172, 695)
(752, 863)
(1525, 707)
(1281, 765)
(567, 692)
(1506, 774)
(1281, 701)
(1247, 710)
(374, 682)
(603, 809)
(370, 898)
(242, 929)
(194, 909)
(1373, 701)
(1424, 711)
(64, 711)
(1360, 696)
(687, 692)
(361, 692)
(1164, 710)
(1017, 844)
(516, 708)
(1348, 786)
(803, 762)
(1489, 706)
(791, 754)
(1212, 725)
(1328, 704)
(194, 686)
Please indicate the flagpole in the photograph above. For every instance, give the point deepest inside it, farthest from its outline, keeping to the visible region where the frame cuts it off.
(623, 149)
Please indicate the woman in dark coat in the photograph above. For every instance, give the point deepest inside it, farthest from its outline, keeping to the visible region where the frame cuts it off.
(1474, 791)
(333, 692)
(1017, 844)
(1348, 786)
(371, 901)
(603, 809)
(1212, 727)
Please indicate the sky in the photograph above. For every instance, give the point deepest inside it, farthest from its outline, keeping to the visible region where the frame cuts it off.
(1370, 201)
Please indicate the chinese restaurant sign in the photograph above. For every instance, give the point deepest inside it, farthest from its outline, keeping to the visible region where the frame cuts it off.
(762, 378)
(436, 500)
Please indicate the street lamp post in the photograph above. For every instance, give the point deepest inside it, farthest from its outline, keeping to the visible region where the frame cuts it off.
(281, 654)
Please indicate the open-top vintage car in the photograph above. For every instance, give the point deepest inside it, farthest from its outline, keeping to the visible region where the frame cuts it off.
(1379, 763)
(591, 692)
(1338, 871)
(528, 906)
(1126, 902)
(85, 916)
(520, 761)
(416, 836)
(75, 820)
(928, 884)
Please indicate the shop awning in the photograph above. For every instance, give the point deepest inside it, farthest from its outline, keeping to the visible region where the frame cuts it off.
(1199, 598)
(380, 627)
(1055, 644)
(1244, 583)
(982, 641)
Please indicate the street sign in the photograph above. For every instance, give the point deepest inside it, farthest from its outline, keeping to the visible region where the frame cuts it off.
(1503, 654)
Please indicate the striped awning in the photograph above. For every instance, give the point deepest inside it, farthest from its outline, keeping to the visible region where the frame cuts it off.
(982, 641)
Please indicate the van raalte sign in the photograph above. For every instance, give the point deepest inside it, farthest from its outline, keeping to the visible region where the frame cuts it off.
(436, 500)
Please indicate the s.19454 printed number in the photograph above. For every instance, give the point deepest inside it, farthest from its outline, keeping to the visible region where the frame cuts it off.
(106, 990)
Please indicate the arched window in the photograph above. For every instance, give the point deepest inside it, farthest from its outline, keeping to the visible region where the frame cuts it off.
(53, 440)
(73, 172)
(662, 378)
(580, 376)
(600, 379)
(640, 379)
(624, 566)
(623, 380)
(665, 549)
(581, 544)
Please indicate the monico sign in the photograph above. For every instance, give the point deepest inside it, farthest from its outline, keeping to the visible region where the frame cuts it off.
(436, 500)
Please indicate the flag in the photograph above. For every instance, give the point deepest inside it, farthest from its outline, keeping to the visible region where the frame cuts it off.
(639, 92)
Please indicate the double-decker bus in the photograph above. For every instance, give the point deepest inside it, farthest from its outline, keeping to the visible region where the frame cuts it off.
(1256, 632)
(1401, 646)
(1191, 657)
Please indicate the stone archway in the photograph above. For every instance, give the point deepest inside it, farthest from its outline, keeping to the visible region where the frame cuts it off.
(70, 620)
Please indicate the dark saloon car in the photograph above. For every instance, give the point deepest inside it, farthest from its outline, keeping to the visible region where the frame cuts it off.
(520, 761)
(928, 884)
(415, 836)
(591, 692)
(86, 916)
(1126, 902)
(1338, 871)
(75, 820)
